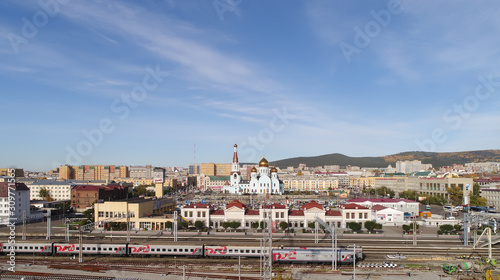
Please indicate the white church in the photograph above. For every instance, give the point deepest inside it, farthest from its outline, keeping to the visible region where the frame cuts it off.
(263, 180)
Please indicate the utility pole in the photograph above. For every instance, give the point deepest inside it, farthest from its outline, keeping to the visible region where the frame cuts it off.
(80, 243)
(48, 224)
(175, 226)
(354, 263)
(268, 248)
(415, 231)
(128, 224)
(24, 225)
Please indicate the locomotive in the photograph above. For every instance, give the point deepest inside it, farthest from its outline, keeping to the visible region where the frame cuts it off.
(280, 255)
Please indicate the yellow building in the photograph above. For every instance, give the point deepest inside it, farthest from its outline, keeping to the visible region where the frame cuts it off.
(309, 184)
(18, 172)
(93, 172)
(361, 182)
(136, 182)
(215, 169)
(145, 214)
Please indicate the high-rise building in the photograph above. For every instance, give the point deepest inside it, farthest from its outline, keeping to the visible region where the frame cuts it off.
(194, 169)
(18, 172)
(215, 169)
(141, 172)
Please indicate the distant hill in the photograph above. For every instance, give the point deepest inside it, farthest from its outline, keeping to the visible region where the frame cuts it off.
(436, 159)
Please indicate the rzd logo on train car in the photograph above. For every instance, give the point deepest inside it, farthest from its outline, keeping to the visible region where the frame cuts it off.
(292, 255)
(217, 251)
(65, 248)
(141, 249)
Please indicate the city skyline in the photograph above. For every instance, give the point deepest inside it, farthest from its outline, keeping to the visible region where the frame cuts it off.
(142, 83)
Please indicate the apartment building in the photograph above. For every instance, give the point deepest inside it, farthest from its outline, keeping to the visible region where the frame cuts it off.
(18, 172)
(13, 205)
(215, 169)
(57, 190)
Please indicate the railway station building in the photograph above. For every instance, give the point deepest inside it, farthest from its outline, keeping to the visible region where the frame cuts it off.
(145, 214)
(296, 218)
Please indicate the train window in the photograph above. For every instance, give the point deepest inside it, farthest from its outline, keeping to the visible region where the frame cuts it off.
(247, 251)
(169, 250)
(104, 249)
(163, 250)
(25, 247)
(236, 250)
(36, 248)
(230, 251)
(175, 250)
(253, 251)
(258, 251)
(31, 247)
(77, 248)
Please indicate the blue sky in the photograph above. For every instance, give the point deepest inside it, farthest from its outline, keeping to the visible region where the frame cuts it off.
(280, 78)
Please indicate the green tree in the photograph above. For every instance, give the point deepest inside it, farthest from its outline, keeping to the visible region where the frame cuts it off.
(408, 194)
(446, 228)
(311, 225)
(385, 191)
(371, 226)
(263, 224)
(283, 226)
(409, 228)
(255, 225)
(199, 225)
(475, 198)
(456, 195)
(169, 224)
(235, 224)
(355, 227)
(43, 193)
(457, 227)
(184, 224)
(225, 225)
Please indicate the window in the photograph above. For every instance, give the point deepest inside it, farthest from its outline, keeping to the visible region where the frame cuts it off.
(360, 215)
(366, 215)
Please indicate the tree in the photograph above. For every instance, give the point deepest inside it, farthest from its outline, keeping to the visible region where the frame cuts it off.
(355, 227)
(311, 225)
(408, 194)
(371, 226)
(384, 191)
(445, 229)
(283, 226)
(225, 225)
(409, 228)
(43, 193)
(169, 224)
(255, 225)
(184, 224)
(475, 198)
(235, 224)
(199, 225)
(456, 195)
(457, 227)
(263, 224)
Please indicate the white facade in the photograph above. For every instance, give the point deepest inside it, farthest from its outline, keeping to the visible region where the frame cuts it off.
(14, 201)
(389, 216)
(263, 180)
(57, 190)
(404, 205)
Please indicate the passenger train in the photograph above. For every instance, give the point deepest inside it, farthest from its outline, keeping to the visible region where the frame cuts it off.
(280, 255)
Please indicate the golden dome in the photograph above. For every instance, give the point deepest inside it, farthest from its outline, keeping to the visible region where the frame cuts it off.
(263, 162)
(236, 146)
(274, 170)
(254, 169)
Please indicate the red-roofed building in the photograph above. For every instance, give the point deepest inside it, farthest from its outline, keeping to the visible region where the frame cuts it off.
(83, 196)
(312, 204)
(356, 213)
(197, 212)
(404, 205)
